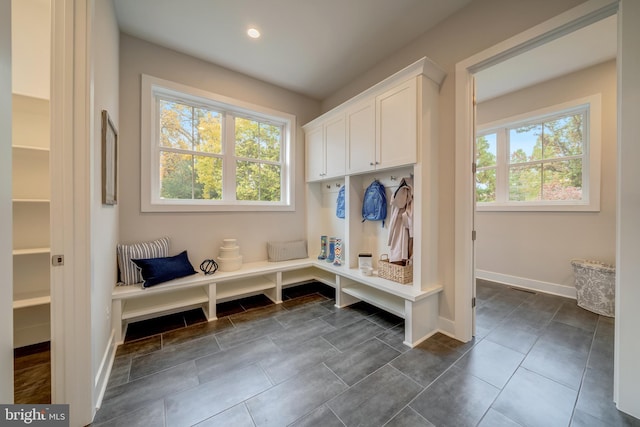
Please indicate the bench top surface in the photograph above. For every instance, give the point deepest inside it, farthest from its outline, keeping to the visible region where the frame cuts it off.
(257, 268)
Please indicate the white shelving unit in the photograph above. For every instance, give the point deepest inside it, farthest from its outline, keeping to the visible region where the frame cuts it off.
(290, 278)
(384, 300)
(31, 299)
(138, 308)
(132, 303)
(31, 251)
(135, 303)
(250, 286)
(390, 134)
(31, 193)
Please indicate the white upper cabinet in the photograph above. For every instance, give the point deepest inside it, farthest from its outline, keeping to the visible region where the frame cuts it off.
(361, 137)
(379, 128)
(334, 142)
(314, 144)
(382, 130)
(396, 126)
(389, 133)
(325, 149)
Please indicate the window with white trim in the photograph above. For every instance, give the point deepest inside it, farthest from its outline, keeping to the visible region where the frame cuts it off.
(205, 152)
(546, 160)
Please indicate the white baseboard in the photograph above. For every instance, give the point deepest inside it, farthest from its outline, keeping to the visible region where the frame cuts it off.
(104, 371)
(530, 284)
(32, 334)
(447, 327)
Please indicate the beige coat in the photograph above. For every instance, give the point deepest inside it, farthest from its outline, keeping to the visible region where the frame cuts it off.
(401, 224)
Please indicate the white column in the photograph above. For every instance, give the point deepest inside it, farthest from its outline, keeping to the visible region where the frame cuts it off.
(6, 257)
(627, 345)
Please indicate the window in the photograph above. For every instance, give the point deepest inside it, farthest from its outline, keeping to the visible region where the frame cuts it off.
(546, 160)
(206, 152)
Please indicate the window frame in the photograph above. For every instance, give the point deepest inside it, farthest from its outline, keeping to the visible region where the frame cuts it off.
(590, 164)
(153, 88)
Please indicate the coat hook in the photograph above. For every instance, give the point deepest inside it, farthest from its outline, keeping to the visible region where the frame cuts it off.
(328, 186)
(394, 178)
(337, 184)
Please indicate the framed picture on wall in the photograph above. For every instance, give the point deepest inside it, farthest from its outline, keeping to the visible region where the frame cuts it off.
(109, 161)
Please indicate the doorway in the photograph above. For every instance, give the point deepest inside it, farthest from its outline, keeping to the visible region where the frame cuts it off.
(546, 161)
(31, 195)
(566, 23)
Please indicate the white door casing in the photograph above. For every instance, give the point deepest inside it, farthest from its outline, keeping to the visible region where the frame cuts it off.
(70, 189)
(6, 213)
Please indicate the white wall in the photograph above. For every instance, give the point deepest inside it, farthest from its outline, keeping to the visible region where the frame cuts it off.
(474, 28)
(31, 72)
(104, 219)
(538, 246)
(627, 350)
(201, 233)
(6, 258)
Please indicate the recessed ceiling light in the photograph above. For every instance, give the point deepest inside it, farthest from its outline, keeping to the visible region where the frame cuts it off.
(253, 33)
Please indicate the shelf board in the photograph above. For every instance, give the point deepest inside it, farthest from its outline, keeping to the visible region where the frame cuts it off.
(31, 299)
(239, 287)
(31, 200)
(326, 277)
(27, 147)
(31, 251)
(381, 299)
(307, 274)
(137, 307)
(403, 291)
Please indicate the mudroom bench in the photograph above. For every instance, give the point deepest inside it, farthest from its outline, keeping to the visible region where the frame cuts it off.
(418, 308)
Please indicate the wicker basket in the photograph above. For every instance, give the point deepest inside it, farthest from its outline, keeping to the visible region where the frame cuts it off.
(401, 273)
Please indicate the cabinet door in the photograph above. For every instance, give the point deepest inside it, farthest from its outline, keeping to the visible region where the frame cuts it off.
(335, 141)
(315, 154)
(361, 137)
(396, 122)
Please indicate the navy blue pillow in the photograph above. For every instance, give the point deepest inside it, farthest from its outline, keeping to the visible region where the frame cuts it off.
(159, 270)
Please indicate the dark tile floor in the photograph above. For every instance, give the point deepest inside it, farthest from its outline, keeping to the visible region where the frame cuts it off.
(537, 360)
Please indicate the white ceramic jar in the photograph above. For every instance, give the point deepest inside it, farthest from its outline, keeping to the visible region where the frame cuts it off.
(229, 258)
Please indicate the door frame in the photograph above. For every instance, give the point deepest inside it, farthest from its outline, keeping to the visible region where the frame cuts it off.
(6, 208)
(71, 350)
(464, 257)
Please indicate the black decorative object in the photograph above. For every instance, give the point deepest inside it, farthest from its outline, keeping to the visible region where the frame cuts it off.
(209, 266)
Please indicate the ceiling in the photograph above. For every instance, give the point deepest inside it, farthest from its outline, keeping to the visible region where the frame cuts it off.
(313, 47)
(316, 47)
(580, 49)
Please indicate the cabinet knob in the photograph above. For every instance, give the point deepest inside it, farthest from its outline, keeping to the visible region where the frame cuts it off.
(371, 163)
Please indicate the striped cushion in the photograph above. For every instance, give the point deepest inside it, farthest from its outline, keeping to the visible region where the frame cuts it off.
(129, 272)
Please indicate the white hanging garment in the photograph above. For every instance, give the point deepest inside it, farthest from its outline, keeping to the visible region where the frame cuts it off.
(401, 224)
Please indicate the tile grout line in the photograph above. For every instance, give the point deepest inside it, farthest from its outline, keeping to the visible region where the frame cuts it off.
(539, 336)
(584, 373)
(500, 323)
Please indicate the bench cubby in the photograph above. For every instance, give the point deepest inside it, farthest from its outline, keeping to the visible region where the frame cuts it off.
(419, 308)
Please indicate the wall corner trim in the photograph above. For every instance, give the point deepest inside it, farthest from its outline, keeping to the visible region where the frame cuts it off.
(104, 371)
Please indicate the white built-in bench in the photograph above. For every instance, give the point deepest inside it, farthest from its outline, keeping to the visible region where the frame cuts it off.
(419, 309)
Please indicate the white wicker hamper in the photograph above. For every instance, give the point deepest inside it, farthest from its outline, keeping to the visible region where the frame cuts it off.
(595, 286)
